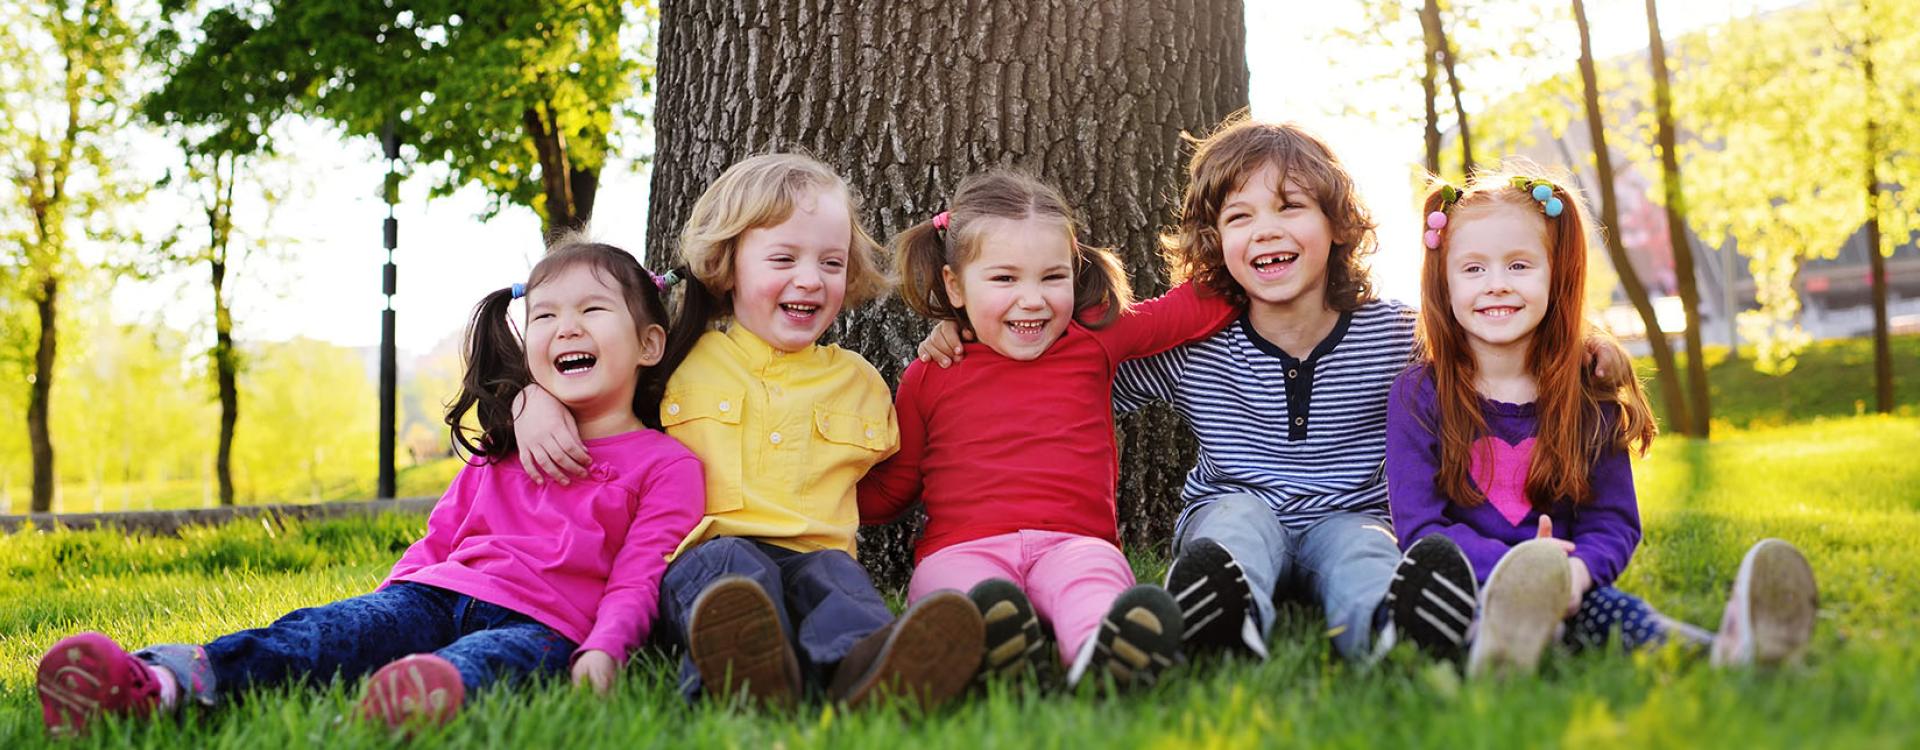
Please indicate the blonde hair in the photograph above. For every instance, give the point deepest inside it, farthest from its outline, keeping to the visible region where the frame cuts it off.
(763, 191)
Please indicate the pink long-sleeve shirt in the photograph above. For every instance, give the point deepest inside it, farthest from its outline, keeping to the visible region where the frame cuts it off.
(584, 559)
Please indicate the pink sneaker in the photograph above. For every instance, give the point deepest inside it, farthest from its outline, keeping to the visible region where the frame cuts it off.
(417, 689)
(88, 674)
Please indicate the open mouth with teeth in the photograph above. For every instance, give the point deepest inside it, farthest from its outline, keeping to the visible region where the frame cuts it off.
(574, 363)
(1498, 312)
(1027, 328)
(799, 310)
(1273, 264)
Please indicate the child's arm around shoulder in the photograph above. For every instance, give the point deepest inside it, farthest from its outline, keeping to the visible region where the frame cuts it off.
(1414, 499)
(893, 486)
(1186, 313)
(669, 496)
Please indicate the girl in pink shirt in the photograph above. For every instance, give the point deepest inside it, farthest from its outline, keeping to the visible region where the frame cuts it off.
(1012, 450)
(513, 578)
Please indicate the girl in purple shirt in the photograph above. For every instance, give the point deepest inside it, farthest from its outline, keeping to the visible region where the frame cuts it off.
(1501, 443)
(513, 578)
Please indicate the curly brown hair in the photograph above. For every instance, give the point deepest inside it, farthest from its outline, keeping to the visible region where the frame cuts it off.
(1221, 164)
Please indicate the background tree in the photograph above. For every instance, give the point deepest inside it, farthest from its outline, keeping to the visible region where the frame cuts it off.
(1439, 48)
(519, 98)
(1667, 377)
(1092, 96)
(65, 97)
(1699, 407)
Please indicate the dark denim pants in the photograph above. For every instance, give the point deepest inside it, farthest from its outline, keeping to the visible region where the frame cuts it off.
(353, 637)
(1606, 612)
(825, 600)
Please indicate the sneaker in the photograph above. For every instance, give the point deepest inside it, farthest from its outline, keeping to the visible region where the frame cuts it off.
(1769, 618)
(87, 675)
(1015, 643)
(1526, 598)
(417, 690)
(1138, 640)
(738, 646)
(927, 656)
(1215, 602)
(1433, 598)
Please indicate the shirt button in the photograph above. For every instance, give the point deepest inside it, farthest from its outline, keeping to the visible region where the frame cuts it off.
(673, 408)
(1299, 420)
(775, 437)
(869, 433)
(773, 390)
(1293, 373)
(724, 406)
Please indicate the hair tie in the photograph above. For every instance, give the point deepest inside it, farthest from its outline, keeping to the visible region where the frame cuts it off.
(1541, 191)
(941, 220)
(1437, 220)
(519, 290)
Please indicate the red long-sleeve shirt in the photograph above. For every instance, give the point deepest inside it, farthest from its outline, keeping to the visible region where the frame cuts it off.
(994, 445)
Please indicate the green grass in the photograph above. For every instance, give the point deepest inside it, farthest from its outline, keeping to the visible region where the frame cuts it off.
(1831, 379)
(428, 479)
(1846, 490)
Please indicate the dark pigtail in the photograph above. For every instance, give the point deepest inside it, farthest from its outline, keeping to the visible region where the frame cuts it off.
(919, 254)
(496, 371)
(699, 308)
(1100, 288)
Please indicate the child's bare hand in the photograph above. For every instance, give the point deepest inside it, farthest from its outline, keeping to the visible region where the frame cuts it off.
(596, 668)
(1610, 363)
(1546, 532)
(1582, 581)
(549, 441)
(943, 344)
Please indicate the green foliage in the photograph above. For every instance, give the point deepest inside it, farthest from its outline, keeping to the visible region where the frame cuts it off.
(462, 80)
(309, 425)
(1844, 490)
(1834, 379)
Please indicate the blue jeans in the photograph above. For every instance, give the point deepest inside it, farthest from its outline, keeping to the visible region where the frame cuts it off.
(825, 600)
(1343, 561)
(353, 637)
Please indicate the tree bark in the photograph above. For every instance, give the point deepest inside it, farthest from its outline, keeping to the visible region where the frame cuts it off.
(1438, 47)
(1699, 405)
(46, 302)
(908, 97)
(1876, 263)
(550, 145)
(225, 364)
(1429, 86)
(1666, 375)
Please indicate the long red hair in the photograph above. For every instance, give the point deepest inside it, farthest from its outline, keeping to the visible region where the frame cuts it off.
(1579, 418)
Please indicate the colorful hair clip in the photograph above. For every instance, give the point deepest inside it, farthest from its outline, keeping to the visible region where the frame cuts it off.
(1542, 192)
(1437, 220)
(941, 220)
(666, 280)
(519, 290)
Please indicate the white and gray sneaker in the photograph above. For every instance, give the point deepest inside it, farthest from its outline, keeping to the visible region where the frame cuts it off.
(1215, 601)
(1522, 607)
(1433, 598)
(1769, 618)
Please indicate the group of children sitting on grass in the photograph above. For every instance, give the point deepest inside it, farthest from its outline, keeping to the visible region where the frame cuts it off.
(1457, 478)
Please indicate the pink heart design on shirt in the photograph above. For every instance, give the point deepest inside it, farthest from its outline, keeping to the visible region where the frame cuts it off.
(1500, 470)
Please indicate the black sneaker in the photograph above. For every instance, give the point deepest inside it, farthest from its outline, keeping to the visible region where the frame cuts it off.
(1215, 602)
(1138, 640)
(1015, 641)
(1433, 597)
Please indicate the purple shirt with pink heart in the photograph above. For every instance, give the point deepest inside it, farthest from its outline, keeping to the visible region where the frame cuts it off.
(1604, 531)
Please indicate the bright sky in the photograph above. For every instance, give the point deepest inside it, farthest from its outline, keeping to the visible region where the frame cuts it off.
(328, 286)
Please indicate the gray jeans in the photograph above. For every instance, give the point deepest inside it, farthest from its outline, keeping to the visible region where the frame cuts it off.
(1344, 561)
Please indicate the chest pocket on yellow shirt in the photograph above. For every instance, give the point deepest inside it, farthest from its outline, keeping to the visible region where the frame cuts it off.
(707, 421)
(853, 430)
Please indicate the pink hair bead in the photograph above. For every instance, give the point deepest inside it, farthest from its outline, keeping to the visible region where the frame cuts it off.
(1436, 220)
(1433, 239)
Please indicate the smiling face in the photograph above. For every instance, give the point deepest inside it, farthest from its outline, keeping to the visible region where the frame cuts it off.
(1017, 290)
(583, 344)
(1276, 242)
(790, 279)
(1497, 275)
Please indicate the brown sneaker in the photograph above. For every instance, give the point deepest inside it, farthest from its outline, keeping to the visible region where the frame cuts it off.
(737, 644)
(927, 656)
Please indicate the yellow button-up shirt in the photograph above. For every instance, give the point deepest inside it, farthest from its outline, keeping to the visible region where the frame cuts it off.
(785, 438)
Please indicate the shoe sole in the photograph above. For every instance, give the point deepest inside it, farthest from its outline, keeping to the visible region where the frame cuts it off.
(931, 655)
(1782, 599)
(1014, 640)
(75, 687)
(1526, 597)
(738, 646)
(1433, 597)
(1138, 640)
(1212, 593)
(418, 690)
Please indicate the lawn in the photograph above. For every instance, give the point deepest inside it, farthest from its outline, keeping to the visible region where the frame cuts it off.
(1846, 489)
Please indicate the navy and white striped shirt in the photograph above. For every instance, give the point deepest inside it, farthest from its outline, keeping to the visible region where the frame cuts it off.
(1307, 436)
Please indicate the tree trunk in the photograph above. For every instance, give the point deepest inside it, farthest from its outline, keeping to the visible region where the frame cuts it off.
(1699, 407)
(550, 145)
(1429, 86)
(1091, 96)
(1438, 47)
(1876, 263)
(47, 303)
(1666, 375)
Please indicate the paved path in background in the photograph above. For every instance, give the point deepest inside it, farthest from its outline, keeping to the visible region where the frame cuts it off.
(170, 521)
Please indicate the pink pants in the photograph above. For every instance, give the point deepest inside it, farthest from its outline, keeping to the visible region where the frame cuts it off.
(1072, 580)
